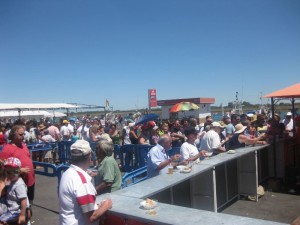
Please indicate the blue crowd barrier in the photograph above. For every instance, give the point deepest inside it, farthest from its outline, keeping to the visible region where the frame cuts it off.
(133, 156)
(134, 177)
(142, 153)
(45, 169)
(41, 147)
(64, 151)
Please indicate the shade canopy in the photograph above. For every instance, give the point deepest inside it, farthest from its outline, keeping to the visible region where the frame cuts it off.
(13, 113)
(8, 106)
(288, 92)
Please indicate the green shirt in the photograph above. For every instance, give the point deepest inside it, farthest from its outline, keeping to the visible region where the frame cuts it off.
(109, 172)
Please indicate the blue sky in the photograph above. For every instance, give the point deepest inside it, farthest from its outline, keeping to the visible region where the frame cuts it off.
(88, 51)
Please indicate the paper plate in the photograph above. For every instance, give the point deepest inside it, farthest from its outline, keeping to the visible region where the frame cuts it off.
(187, 170)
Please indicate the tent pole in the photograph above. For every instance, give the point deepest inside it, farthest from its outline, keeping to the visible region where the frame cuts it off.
(293, 116)
(274, 138)
(19, 111)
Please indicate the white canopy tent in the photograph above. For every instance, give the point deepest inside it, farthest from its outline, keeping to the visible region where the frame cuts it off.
(8, 106)
(57, 114)
(33, 110)
(31, 114)
(27, 114)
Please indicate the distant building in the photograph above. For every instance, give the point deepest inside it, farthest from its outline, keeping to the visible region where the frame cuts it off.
(203, 111)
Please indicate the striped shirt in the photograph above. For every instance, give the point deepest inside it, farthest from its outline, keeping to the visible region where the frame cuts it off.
(77, 195)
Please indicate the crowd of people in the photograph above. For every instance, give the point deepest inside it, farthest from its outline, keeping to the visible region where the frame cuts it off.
(78, 202)
(197, 141)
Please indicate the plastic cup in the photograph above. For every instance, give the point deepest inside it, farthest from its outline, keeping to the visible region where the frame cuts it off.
(170, 170)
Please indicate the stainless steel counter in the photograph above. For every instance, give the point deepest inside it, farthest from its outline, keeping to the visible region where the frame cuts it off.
(189, 198)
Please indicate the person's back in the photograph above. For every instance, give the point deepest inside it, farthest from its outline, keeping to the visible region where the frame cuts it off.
(74, 180)
(77, 194)
(233, 142)
(210, 141)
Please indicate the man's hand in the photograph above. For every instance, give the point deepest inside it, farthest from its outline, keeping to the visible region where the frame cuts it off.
(25, 170)
(106, 204)
(176, 157)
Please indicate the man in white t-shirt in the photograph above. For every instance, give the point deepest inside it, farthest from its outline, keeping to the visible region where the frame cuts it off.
(211, 141)
(77, 194)
(188, 149)
(288, 123)
(84, 130)
(64, 131)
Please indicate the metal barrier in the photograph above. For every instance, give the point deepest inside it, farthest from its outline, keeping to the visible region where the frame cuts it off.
(64, 151)
(134, 177)
(45, 167)
(133, 156)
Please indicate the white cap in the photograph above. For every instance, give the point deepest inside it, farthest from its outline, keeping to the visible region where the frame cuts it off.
(131, 124)
(288, 113)
(80, 148)
(216, 124)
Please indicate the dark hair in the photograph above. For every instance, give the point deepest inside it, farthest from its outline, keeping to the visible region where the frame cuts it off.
(234, 117)
(79, 159)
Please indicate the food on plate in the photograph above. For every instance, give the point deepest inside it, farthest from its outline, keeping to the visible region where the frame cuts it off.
(180, 167)
(231, 151)
(186, 170)
(208, 154)
(149, 203)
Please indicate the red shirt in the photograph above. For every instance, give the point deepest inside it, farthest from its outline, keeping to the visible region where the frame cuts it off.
(23, 155)
(2, 139)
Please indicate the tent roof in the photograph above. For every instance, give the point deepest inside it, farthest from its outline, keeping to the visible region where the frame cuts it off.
(288, 92)
(13, 113)
(8, 106)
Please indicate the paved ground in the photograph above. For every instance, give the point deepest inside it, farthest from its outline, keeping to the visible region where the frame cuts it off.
(45, 206)
(273, 206)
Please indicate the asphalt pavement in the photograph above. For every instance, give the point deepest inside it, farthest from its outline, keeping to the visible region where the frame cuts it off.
(45, 208)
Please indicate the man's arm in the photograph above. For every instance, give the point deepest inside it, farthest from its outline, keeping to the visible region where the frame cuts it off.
(168, 162)
(96, 214)
(103, 186)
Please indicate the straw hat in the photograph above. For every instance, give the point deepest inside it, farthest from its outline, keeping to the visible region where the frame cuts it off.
(239, 128)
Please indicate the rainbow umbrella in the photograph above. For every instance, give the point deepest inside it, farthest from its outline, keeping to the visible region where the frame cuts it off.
(184, 106)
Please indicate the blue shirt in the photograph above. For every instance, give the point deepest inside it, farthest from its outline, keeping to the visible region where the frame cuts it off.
(229, 129)
(155, 156)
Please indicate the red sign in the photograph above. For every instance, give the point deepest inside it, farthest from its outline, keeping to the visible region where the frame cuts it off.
(152, 98)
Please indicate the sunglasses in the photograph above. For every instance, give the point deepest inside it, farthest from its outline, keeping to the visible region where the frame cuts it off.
(12, 171)
(22, 134)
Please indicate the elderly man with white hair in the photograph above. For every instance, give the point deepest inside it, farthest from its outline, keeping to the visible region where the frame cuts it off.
(77, 194)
